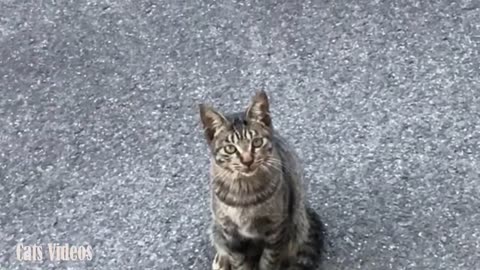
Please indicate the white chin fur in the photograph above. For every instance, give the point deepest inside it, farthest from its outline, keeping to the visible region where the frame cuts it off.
(249, 173)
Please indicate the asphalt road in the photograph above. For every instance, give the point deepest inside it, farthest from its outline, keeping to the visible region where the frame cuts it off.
(100, 140)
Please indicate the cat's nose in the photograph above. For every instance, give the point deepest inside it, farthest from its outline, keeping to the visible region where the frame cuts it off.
(247, 159)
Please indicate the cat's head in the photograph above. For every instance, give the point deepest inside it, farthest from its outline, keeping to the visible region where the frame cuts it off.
(240, 142)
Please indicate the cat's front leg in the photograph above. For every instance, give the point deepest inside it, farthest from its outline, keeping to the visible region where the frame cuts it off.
(221, 262)
(270, 259)
(231, 250)
(229, 259)
(276, 240)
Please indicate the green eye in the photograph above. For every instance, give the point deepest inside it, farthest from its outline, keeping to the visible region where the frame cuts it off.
(257, 142)
(230, 149)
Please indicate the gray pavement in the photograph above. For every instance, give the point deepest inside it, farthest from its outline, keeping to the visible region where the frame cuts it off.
(100, 141)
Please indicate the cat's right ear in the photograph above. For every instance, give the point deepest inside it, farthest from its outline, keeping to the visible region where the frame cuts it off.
(258, 110)
(213, 122)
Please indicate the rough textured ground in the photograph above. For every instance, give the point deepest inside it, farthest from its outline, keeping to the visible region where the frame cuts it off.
(100, 140)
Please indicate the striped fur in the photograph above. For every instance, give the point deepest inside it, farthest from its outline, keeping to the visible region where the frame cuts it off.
(260, 217)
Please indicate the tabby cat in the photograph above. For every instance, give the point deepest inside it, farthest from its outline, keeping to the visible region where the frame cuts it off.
(260, 217)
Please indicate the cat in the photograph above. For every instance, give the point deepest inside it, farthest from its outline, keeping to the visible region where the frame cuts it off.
(260, 219)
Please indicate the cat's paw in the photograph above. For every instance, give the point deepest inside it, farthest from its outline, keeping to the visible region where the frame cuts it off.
(220, 263)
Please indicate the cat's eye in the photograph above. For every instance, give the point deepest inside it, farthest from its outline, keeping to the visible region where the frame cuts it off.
(230, 149)
(257, 142)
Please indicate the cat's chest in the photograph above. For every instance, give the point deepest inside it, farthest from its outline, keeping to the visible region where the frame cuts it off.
(244, 221)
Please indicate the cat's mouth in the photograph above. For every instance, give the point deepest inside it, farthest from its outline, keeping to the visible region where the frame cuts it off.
(249, 171)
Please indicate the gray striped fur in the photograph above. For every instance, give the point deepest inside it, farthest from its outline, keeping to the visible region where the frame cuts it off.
(260, 220)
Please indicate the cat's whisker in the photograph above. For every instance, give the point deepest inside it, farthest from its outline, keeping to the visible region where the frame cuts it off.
(275, 166)
(280, 163)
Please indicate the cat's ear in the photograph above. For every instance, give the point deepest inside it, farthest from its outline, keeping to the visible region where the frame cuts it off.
(259, 109)
(212, 121)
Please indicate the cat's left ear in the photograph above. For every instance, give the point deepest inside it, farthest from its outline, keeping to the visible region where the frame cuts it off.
(213, 122)
(259, 109)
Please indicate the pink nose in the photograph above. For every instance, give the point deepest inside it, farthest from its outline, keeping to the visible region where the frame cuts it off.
(247, 159)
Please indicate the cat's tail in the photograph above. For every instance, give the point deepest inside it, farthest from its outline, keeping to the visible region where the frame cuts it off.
(311, 253)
